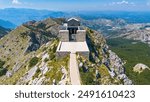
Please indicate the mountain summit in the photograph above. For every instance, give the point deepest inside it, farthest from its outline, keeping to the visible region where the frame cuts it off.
(28, 55)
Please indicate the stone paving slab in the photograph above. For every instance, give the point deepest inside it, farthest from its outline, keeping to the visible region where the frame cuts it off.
(74, 70)
(73, 47)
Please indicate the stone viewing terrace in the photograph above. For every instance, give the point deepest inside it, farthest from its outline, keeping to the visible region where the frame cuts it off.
(65, 48)
(73, 46)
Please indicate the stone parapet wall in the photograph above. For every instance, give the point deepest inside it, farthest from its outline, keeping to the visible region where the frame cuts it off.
(64, 35)
(81, 35)
(84, 54)
(61, 54)
(64, 54)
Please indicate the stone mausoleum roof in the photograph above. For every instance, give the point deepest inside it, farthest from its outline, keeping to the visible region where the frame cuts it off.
(73, 19)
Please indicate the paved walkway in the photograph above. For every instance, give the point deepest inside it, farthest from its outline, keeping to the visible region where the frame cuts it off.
(74, 70)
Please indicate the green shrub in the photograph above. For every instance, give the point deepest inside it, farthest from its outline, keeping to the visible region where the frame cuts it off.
(52, 53)
(91, 31)
(55, 72)
(46, 59)
(33, 61)
(3, 71)
(87, 78)
(38, 71)
(2, 63)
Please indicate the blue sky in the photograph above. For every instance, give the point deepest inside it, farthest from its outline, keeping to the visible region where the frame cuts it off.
(79, 5)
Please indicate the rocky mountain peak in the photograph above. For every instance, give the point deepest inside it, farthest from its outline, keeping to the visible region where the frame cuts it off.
(29, 53)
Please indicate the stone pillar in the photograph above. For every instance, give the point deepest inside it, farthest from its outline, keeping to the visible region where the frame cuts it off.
(81, 36)
(64, 35)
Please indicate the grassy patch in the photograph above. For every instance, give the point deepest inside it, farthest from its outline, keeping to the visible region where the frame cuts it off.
(38, 71)
(2, 63)
(2, 70)
(52, 49)
(103, 71)
(87, 76)
(55, 69)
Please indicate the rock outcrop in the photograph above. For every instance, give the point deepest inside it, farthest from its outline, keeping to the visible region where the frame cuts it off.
(107, 67)
(140, 68)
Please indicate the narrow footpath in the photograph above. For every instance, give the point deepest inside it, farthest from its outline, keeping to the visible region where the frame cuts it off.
(74, 70)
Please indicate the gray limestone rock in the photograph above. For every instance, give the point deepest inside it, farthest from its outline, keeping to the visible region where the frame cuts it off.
(16, 67)
(112, 74)
(80, 65)
(54, 82)
(28, 76)
(86, 67)
(122, 76)
(44, 69)
(127, 82)
(97, 60)
(97, 74)
(9, 74)
(37, 81)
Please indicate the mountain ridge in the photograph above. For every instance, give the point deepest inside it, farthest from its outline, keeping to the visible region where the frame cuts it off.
(3, 31)
(29, 56)
(7, 24)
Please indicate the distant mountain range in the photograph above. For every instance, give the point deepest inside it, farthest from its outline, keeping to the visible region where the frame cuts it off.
(120, 28)
(111, 24)
(7, 24)
(3, 31)
(17, 16)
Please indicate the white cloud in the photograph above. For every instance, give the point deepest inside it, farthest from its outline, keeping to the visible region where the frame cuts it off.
(16, 2)
(123, 2)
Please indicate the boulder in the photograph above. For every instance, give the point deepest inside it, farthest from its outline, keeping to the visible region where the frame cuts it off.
(112, 74)
(140, 68)
(97, 74)
(44, 69)
(9, 74)
(127, 82)
(85, 68)
(97, 60)
(54, 82)
(80, 65)
(122, 76)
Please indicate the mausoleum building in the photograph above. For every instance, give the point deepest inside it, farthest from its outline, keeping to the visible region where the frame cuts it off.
(72, 39)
